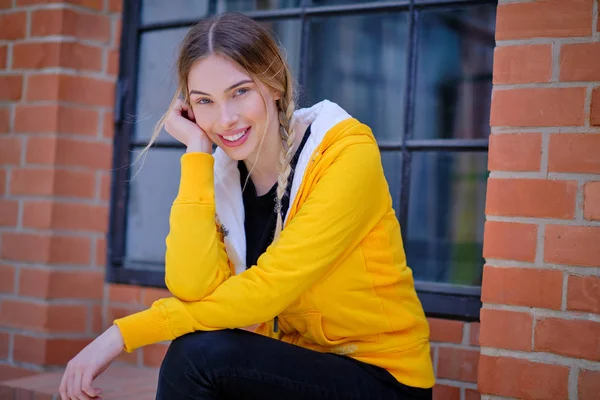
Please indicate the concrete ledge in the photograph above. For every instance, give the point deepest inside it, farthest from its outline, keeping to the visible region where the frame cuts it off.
(117, 383)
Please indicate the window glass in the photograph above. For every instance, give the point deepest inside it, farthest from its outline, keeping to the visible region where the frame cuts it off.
(161, 11)
(152, 189)
(446, 216)
(454, 73)
(359, 62)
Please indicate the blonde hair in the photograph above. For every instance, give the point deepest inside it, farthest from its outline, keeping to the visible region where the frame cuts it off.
(249, 44)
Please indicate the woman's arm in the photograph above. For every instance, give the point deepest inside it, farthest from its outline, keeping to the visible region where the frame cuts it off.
(195, 261)
(343, 207)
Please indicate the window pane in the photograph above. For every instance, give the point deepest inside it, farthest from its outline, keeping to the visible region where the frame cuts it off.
(251, 5)
(392, 167)
(157, 80)
(454, 73)
(151, 194)
(288, 34)
(359, 62)
(446, 216)
(161, 11)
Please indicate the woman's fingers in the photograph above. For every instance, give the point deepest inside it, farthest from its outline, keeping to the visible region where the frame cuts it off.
(86, 386)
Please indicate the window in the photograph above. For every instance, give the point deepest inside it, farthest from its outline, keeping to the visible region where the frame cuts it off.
(418, 72)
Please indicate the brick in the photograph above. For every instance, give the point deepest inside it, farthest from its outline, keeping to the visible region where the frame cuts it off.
(52, 284)
(10, 150)
(595, 110)
(25, 247)
(11, 85)
(117, 32)
(474, 333)
(549, 18)
(55, 249)
(115, 6)
(9, 211)
(580, 62)
(56, 119)
(583, 294)
(114, 312)
(68, 22)
(510, 241)
(555, 335)
(522, 64)
(44, 351)
(10, 372)
(471, 394)
(524, 379)
(574, 153)
(67, 318)
(124, 294)
(506, 329)
(445, 330)
(100, 252)
(154, 354)
(536, 107)
(73, 250)
(13, 25)
(3, 56)
(536, 198)
(150, 295)
(97, 320)
(68, 152)
(75, 89)
(443, 392)
(22, 314)
(7, 278)
(108, 128)
(105, 182)
(4, 343)
(5, 4)
(522, 287)
(572, 245)
(591, 202)
(2, 181)
(129, 358)
(65, 216)
(4, 120)
(113, 62)
(57, 54)
(47, 181)
(515, 152)
(458, 364)
(97, 5)
(589, 384)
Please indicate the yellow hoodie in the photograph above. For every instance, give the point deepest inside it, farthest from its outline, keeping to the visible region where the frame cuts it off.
(336, 278)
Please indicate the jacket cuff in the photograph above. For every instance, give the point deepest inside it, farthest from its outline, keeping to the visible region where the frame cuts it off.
(143, 328)
(197, 178)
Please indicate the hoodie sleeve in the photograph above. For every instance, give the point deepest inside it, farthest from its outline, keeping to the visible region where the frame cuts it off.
(195, 260)
(351, 195)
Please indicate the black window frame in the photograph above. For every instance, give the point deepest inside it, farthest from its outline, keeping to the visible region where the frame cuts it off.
(442, 300)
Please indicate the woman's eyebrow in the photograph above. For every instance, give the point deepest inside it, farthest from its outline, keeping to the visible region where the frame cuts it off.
(226, 90)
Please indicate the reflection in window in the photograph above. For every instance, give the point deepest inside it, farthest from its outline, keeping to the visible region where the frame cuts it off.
(161, 11)
(251, 5)
(446, 216)
(359, 62)
(454, 73)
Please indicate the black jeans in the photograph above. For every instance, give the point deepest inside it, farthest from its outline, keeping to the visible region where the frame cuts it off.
(235, 364)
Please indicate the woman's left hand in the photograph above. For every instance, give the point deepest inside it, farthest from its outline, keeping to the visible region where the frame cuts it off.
(76, 383)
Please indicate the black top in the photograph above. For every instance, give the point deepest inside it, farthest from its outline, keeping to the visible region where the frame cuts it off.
(260, 217)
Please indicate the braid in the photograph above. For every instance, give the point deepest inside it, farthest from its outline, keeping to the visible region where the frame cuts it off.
(286, 107)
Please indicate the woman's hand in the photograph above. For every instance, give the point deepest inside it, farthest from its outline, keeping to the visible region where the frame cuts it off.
(76, 383)
(181, 124)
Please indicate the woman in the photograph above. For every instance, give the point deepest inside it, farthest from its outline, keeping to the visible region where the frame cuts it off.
(287, 230)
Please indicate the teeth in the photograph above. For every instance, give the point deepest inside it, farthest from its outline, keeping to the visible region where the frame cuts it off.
(233, 138)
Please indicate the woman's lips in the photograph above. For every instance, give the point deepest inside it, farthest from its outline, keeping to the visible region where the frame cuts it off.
(235, 138)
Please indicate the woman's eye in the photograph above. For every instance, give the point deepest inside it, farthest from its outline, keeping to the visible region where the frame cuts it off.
(241, 91)
(203, 101)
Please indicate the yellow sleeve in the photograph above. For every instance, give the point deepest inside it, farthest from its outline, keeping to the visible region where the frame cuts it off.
(348, 200)
(195, 260)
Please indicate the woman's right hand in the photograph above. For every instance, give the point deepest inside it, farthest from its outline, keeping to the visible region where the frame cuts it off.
(181, 124)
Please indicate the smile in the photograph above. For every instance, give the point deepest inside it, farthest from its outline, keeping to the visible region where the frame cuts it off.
(236, 139)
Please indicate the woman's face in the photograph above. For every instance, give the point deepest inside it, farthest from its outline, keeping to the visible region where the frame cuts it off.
(228, 106)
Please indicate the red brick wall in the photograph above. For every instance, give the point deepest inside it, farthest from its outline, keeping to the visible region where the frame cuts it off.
(540, 324)
(58, 66)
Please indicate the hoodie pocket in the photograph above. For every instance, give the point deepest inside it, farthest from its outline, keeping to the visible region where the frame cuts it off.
(310, 326)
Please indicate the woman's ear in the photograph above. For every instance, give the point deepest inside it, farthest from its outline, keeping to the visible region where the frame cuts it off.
(276, 95)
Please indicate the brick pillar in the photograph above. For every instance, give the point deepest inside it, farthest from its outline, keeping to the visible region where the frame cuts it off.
(540, 323)
(58, 67)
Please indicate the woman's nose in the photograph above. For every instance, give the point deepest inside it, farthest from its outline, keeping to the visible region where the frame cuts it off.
(228, 117)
